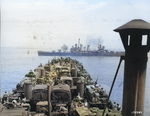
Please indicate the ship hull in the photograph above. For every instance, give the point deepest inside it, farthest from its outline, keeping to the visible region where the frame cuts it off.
(43, 53)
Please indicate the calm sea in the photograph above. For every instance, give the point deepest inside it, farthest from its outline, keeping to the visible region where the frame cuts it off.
(16, 62)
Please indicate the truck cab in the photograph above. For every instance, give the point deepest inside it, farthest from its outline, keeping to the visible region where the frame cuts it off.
(60, 99)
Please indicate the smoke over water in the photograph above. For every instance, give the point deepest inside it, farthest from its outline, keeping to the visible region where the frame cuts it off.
(64, 47)
(94, 41)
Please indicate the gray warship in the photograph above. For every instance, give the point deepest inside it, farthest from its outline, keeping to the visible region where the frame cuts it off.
(79, 50)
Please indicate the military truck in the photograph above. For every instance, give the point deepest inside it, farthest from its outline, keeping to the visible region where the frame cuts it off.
(39, 94)
(60, 99)
(96, 96)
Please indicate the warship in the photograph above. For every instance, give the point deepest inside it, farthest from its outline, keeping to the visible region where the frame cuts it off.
(62, 87)
(79, 50)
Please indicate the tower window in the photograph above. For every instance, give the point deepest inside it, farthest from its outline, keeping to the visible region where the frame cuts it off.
(128, 40)
(144, 40)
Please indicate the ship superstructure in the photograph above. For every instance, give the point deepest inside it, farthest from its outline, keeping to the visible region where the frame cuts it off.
(78, 48)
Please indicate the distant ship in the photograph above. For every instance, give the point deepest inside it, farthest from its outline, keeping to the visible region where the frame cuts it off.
(79, 50)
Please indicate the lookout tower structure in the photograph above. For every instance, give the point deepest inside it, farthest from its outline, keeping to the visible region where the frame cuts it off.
(135, 36)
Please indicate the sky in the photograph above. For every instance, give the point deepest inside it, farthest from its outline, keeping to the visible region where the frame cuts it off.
(49, 24)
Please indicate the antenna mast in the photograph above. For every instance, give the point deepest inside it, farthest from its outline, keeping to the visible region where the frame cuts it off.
(79, 43)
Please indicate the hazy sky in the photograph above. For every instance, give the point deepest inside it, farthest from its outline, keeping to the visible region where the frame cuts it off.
(51, 23)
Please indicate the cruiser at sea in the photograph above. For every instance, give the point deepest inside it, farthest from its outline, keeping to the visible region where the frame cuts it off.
(79, 50)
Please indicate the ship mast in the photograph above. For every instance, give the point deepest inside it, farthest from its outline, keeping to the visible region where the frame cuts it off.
(99, 44)
(79, 43)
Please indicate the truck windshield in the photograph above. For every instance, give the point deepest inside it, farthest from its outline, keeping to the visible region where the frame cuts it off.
(62, 96)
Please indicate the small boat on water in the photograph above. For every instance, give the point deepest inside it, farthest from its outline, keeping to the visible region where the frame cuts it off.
(61, 87)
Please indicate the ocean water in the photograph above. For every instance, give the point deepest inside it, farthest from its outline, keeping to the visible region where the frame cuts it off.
(16, 62)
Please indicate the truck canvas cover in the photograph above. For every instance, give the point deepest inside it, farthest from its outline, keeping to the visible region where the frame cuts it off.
(61, 93)
(39, 93)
